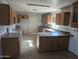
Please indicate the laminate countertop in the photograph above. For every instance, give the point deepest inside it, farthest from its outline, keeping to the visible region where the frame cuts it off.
(10, 35)
(55, 33)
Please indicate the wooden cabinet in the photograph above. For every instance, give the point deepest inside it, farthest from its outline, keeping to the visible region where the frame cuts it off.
(7, 16)
(58, 19)
(14, 17)
(47, 44)
(63, 18)
(19, 17)
(46, 18)
(10, 47)
(74, 22)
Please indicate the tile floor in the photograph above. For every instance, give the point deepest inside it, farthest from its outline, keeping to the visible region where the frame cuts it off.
(29, 51)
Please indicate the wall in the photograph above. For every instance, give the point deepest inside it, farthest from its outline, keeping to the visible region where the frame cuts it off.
(35, 21)
(67, 9)
(31, 24)
(73, 43)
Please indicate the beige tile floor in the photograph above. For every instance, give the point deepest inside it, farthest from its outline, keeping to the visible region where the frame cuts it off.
(29, 51)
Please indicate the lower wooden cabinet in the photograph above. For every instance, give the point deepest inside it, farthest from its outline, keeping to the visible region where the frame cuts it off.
(10, 47)
(47, 44)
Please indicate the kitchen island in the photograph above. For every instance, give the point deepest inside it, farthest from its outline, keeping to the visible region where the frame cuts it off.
(53, 41)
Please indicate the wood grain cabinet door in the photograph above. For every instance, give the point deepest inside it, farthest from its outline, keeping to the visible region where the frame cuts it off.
(4, 14)
(58, 19)
(49, 19)
(63, 18)
(63, 43)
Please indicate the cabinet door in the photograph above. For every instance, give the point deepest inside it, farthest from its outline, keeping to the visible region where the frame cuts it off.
(53, 44)
(4, 14)
(14, 17)
(43, 44)
(63, 43)
(58, 19)
(49, 19)
(62, 15)
(66, 18)
(11, 16)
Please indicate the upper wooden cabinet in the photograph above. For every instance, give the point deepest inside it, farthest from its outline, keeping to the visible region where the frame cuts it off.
(74, 22)
(63, 18)
(46, 18)
(58, 18)
(14, 17)
(19, 17)
(7, 15)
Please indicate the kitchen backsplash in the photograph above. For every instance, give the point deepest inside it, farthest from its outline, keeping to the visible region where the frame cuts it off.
(3, 29)
(64, 28)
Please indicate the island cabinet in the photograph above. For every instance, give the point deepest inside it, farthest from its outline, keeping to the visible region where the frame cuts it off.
(48, 43)
(53, 44)
(63, 18)
(7, 15)
(10, 46)
(46, 18)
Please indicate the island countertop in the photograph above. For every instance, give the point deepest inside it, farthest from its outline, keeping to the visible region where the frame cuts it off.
(55, 33)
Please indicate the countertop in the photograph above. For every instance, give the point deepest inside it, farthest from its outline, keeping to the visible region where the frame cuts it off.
(55, 33)
(10, 35)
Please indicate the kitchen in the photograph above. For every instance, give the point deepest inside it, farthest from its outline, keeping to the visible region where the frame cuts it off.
(40, 22)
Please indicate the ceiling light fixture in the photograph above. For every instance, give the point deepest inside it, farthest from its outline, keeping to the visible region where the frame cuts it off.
(38, 5)
(34, 9)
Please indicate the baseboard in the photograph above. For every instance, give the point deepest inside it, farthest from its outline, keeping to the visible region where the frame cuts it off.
(73, 53)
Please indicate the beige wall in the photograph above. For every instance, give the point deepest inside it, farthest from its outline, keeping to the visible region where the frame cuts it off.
(31, 24)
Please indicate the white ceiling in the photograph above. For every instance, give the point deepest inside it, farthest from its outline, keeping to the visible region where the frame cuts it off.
(21, 5)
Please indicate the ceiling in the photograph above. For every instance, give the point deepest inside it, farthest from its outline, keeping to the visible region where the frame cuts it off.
(21, 5)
